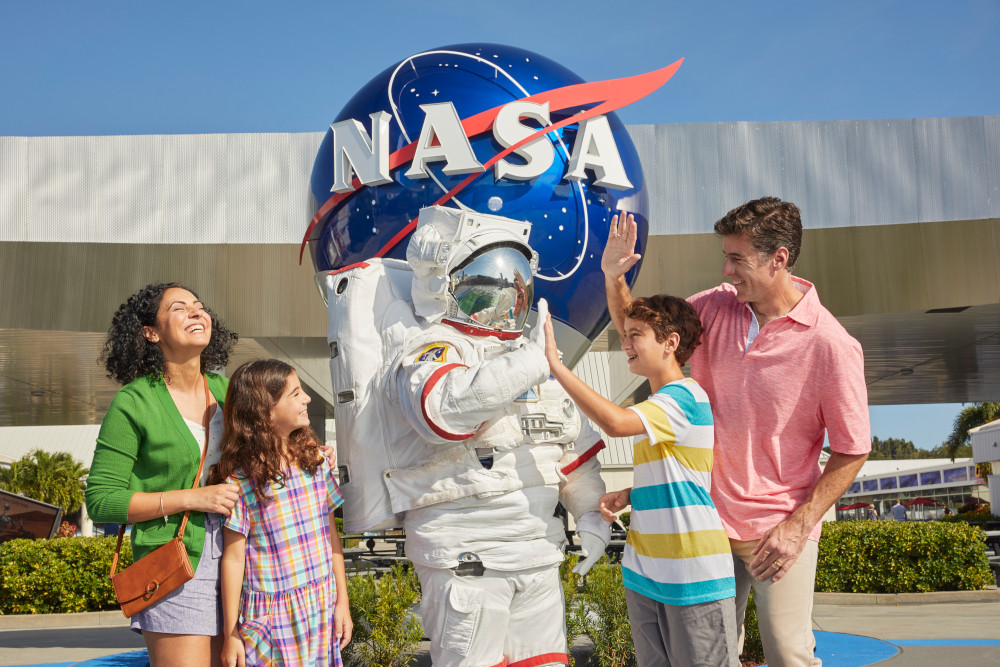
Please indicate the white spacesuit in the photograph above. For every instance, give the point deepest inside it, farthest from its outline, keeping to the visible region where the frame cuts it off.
(479, 443)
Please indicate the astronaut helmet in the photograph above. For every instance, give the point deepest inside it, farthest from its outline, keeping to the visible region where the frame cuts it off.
(472, 271)
(493, 288)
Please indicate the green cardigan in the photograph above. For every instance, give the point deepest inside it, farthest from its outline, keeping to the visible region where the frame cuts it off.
(145, 445)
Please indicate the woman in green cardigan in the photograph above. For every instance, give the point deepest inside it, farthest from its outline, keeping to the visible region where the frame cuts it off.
(161, 341)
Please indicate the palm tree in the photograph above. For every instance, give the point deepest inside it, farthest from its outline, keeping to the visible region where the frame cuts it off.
(57, 479)
(974, 415)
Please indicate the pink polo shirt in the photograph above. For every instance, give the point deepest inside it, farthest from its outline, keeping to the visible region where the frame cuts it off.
(771, 403)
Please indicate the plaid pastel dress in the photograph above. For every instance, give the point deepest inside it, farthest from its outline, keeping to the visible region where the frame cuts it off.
(286, 609)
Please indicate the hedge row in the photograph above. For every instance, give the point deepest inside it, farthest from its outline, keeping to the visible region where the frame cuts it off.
(59, 576)
(901, 557)
(981, 515)
(71, 574)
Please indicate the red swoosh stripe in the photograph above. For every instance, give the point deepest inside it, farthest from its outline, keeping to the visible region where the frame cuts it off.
(428, 386)
(613, 94)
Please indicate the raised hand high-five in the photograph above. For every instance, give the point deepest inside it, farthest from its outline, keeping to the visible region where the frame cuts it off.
(619, 253)
(619, 256)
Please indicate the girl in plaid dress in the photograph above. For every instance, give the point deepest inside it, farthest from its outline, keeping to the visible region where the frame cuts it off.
(284, 591)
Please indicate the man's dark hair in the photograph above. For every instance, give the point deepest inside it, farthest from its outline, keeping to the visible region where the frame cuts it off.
(667, 314)
(769, 222)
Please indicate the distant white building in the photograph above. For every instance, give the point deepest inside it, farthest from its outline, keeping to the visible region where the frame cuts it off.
(986, 449)
(942, 482)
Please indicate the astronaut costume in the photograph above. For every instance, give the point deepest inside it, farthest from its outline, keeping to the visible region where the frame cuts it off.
(479, 443)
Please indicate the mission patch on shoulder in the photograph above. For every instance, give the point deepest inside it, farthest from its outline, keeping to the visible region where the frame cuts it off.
(435, 352)
(530, 396)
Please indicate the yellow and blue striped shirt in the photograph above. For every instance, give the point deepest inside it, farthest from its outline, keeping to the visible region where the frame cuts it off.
(677, 550)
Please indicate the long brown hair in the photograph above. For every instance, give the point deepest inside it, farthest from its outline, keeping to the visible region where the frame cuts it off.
(250, 447)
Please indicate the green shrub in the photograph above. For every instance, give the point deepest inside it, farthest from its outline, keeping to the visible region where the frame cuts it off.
(980, 515)
(571, 599)
(61, 575)
(386, 632)
(974, 505)
(901, 557)
(602, 614)
(753, 650)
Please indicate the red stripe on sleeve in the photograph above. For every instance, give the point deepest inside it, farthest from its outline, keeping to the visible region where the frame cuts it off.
(583, 458)
(428, 386)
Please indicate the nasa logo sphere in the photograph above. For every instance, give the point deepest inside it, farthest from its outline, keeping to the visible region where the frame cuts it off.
(404, 113)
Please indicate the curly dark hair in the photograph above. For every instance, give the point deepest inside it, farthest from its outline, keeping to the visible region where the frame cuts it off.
(250, 447)
(667, 314)
(769, 222)
(128, 355)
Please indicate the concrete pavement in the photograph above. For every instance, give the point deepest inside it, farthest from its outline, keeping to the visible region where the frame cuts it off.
(927, 635)
(920, 630)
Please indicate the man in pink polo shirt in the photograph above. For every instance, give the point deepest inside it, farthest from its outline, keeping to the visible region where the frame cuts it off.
(780, 372)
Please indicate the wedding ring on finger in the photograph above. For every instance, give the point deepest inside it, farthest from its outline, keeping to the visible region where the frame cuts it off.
(778, 564)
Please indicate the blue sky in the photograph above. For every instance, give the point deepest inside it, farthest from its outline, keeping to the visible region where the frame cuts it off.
(156, 67)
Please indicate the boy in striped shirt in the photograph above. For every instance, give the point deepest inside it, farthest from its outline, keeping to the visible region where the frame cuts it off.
(678, 567)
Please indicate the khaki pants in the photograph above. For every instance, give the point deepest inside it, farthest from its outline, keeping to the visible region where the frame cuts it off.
(784, 609)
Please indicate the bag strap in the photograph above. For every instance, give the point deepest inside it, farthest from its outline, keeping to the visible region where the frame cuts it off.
(197, 479)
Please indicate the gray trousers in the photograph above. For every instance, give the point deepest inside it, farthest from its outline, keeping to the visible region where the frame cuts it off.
(696, 635)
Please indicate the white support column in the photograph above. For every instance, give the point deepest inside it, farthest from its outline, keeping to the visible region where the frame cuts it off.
(86, 525)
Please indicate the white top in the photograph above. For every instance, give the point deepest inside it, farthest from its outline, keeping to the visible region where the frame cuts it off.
(214, 440)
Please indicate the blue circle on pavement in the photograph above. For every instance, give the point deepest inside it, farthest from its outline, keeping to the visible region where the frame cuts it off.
(130, 659)
(836, 649)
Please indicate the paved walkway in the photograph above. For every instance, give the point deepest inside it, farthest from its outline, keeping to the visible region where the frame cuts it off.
(920, 635)
(892, 632)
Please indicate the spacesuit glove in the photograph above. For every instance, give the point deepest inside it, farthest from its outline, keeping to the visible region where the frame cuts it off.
(591, 548)
(595, 534)
(427, 253)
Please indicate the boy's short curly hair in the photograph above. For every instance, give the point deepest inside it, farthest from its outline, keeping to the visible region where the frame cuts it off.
(667, 314)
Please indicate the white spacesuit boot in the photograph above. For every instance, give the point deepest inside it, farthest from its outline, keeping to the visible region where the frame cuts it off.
(480, 444)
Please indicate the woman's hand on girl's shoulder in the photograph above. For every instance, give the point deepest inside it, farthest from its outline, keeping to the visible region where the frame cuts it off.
(330, 454)
(216, 498)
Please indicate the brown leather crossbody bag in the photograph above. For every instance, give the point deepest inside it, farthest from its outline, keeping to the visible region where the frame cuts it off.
(163, 570)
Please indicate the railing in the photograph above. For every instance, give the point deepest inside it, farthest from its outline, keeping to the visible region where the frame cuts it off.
(378, 552)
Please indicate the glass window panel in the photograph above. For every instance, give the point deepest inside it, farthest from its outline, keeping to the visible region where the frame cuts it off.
(956, 474)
